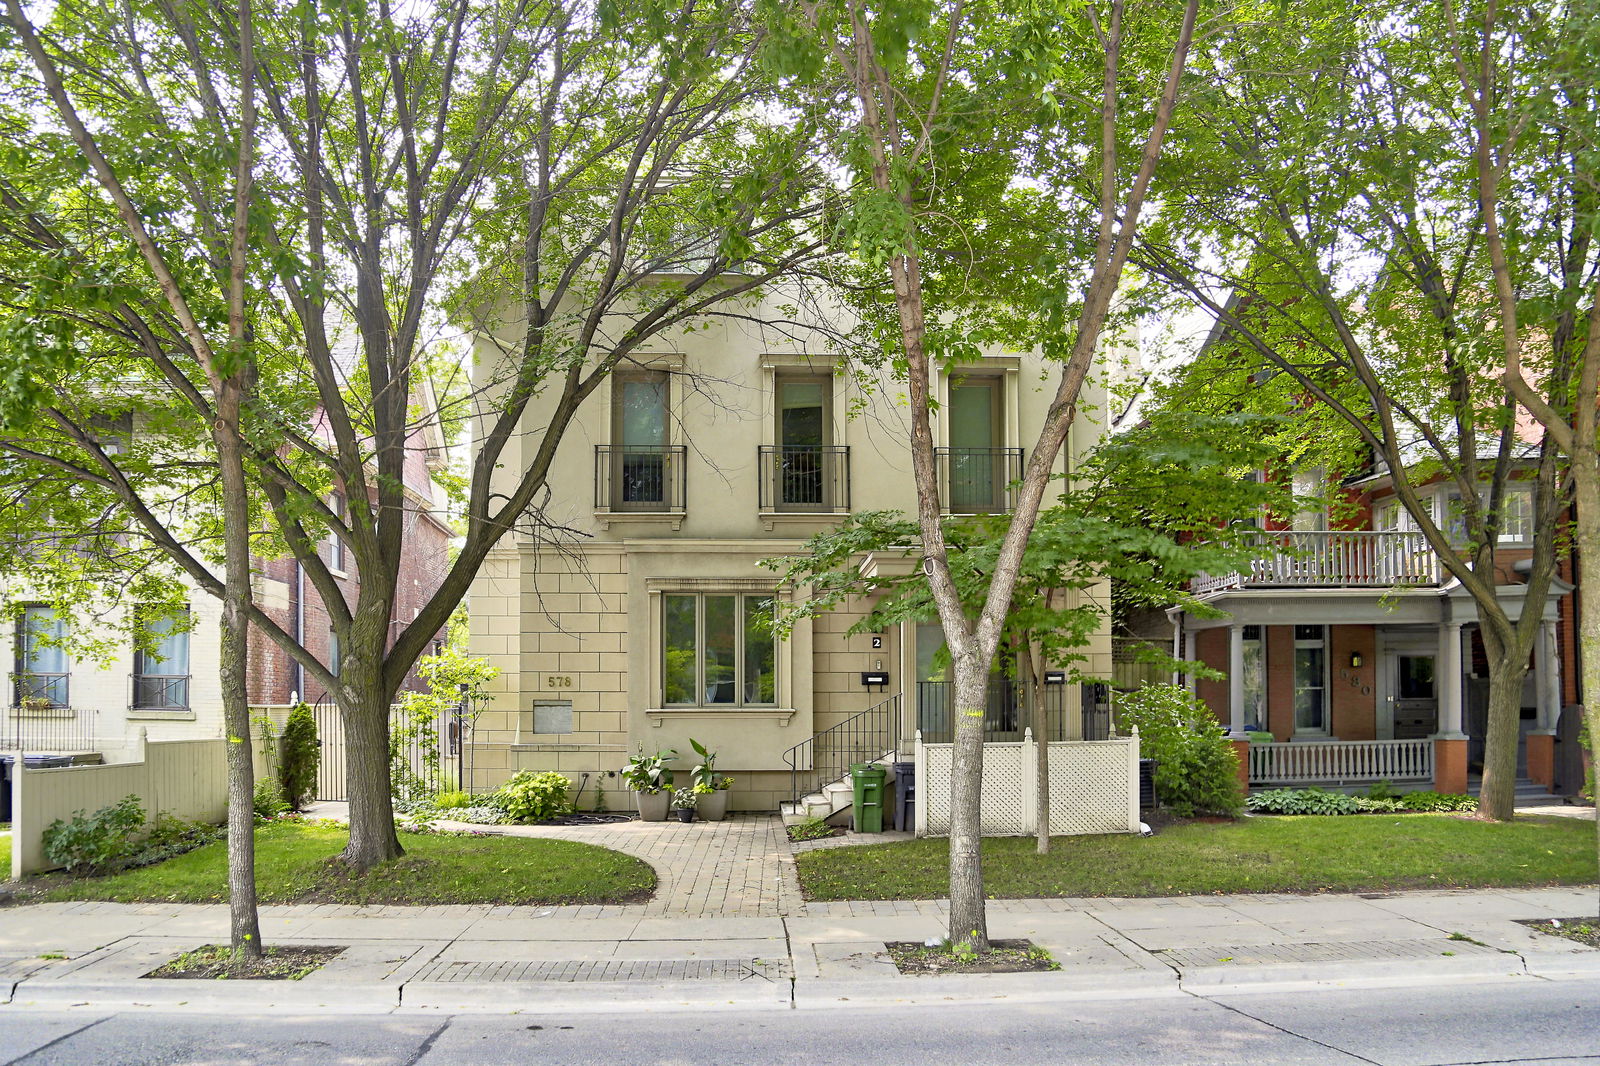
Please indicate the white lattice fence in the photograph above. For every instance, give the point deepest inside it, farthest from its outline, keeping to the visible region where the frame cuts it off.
(1094, 787)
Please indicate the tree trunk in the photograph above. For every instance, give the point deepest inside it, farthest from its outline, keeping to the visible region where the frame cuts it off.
(364, 706)
(1497, 796)
(243, 919)
(968, 920)
(1586, 490)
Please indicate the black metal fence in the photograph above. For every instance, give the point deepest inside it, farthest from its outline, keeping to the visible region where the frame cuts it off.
(1005, 714)
(47, 730)
(418, 749)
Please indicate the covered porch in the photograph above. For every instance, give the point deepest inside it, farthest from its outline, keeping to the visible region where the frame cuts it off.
(1333, 679)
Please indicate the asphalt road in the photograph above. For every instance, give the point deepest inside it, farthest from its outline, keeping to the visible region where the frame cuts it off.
(1523, 1022)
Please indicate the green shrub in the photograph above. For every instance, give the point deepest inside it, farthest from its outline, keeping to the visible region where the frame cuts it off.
(1378, 805)
(95, 843)
(301, 754)
(1302, 801)
(269, 799)
(1438, 801)
(449, 801)
(534, 797)
(1383, 790)
(1196, 768)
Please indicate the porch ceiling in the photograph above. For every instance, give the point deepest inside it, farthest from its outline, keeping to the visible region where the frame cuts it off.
(1382, 607)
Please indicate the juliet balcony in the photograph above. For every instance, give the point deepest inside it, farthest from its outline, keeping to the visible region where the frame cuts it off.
(978, 480)
(1333, 559)
(801, 478)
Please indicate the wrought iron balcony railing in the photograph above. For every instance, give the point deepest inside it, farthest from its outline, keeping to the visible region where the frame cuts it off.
(978, 480)
(640, 478)
(160, 692)
(804, 477)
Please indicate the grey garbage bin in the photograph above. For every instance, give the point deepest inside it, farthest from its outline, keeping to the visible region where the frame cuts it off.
(905, 796)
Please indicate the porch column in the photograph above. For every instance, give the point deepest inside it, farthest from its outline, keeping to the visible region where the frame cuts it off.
(1177, 643)
(1541, 741)
(1236, 730)
(1449, 743)
(1191, 652)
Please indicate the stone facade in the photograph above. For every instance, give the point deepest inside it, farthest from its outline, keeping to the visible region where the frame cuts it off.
(577, 628)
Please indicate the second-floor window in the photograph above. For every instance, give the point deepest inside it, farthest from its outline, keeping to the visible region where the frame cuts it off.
(718, 650)
(804, 470)
(43, 667)
(335, 545)
(161, 673)
(640, 471)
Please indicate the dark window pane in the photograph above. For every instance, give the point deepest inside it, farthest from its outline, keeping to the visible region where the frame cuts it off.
(721, 663)
(678, 665)
(760, 660)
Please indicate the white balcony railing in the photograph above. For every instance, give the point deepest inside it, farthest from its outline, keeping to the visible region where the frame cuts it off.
(1334, 559)
(1341, 762)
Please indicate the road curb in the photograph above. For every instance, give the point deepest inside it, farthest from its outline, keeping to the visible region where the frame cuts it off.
(354, 997)
(596, 997)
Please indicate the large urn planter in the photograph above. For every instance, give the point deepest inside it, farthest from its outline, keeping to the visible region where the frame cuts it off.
(653, 805)
(713, 806)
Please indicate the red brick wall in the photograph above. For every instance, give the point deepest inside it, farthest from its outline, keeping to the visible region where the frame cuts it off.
(1353, 699)
(1280, 681)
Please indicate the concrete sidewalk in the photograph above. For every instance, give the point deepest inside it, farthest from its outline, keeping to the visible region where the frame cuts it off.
(500, 959)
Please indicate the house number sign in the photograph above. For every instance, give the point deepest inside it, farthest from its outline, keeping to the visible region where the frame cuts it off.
(1355, 682)
(558, 681)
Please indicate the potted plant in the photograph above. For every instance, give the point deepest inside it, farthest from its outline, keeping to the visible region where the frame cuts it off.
(683, 801)
(712, 786)
(651, 781)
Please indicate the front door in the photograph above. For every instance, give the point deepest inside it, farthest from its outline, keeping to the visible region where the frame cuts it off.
(1416, 702)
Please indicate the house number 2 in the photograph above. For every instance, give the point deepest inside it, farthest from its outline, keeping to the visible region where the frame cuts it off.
(558, 681)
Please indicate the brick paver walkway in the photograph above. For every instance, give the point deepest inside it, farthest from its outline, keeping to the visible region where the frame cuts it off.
(739, 868)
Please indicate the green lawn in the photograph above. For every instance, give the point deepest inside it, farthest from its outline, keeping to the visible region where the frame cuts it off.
(1307, 854)
(292, 866)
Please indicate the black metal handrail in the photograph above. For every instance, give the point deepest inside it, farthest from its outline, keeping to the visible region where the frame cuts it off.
(1005, 711)
(864, 737)
(978, 480)
(647, 478)
(804, 477)
(160, 692)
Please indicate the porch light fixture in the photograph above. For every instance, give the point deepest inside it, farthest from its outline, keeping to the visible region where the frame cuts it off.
(1355, 660)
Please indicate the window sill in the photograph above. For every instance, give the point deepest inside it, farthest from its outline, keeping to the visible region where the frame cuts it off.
(140, 714)
(819, 518)
(676, 518)
(658, 715)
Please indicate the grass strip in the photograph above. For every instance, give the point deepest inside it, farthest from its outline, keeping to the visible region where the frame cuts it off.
(294, 865)
(1277, 854)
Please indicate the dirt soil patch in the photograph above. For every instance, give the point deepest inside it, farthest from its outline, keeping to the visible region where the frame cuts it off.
(215, 962)
(1003, 956)
(1584, 930)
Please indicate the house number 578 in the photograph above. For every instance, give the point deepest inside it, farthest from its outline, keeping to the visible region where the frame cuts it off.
(558, 681)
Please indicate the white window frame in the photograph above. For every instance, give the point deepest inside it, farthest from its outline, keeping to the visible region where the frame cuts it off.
(1322, 642)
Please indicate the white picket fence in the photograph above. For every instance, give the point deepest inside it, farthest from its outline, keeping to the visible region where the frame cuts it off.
(1341, 762)
(1094, 787)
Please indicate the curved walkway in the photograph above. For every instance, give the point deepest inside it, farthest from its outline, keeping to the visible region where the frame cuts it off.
(739, 868)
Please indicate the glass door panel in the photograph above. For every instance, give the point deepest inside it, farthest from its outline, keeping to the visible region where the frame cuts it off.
(974, 425)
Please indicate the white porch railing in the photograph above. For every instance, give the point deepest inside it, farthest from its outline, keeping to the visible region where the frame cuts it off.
(1341, 762)
(1334, 559)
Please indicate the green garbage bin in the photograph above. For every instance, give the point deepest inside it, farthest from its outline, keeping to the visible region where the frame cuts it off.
(868, 811)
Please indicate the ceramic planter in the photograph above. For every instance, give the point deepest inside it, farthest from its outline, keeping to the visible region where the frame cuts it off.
(653, 805)
(713, 806)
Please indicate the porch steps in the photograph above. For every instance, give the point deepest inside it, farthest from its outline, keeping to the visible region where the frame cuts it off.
(1528, 793)
(830, 799)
